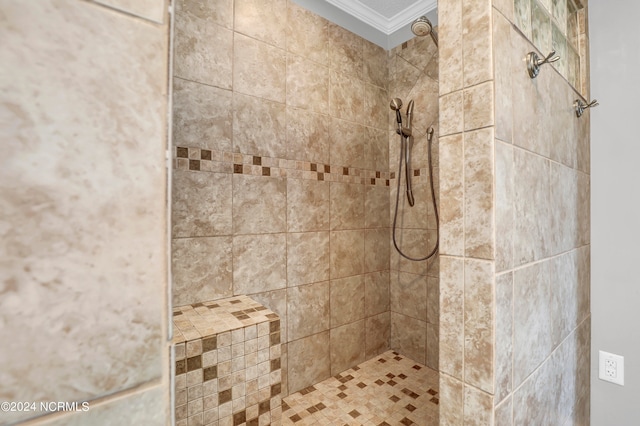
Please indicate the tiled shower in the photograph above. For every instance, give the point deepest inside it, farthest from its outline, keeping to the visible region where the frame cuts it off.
(285, 163)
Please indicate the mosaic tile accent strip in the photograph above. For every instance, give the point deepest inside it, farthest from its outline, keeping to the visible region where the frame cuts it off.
(204, 160)
(229, 373)
(388, 390)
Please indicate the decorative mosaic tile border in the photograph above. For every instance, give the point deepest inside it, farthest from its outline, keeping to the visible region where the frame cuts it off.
(202, 320)
(205, 160)
(387, 390)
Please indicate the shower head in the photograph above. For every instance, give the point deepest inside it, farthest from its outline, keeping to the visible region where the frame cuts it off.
(423, 27)
(396, 104)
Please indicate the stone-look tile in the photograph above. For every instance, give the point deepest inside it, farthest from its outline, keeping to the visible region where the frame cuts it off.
(346, 97)
(416, 243)
(478, 407)
(259, 204)
(307, 136)
(347, 206)
(347, 346)
(259, 126)
(416, 216)
(565, 295)
(478, 194)
(347, 300)
(148, 407)
(533, 331)
(505, 7)
(201, 116)
(262, 21)
(309, 361)
(259, 263)
(425, 97)
(376, 68)
(502, 76)
(308, 310)
(307, 85)
(451, 315)
(409, 294)
(584, 209)
(376, 293)
(532, 212)
(476, 42)
(203, 50)
(375, 106)
(478, 106)
(522, 12)
(347, 144)
(347, 253)
(259, 69)
(376, 148)
(153, 10)
(504, 333)
(451, 111)
(219, 12)
(504, 206)
(433, 300)
(84, 215)
(345, 51)
(584, 283)
(531, 100)
(479, 324)
(201, 204)
(376, 206)
(307, 33)
(583, 131)
(433, 346)
(409, 336)
(564, 205)
(540, 28)
(451, 401)
(307, 257)
(420, 53)
(376, 250)
(404, 79)
(277, 302)
(449, 25)
(199, 276)
(451, 195)
(307, 205)
(377, 334)
(504, 413)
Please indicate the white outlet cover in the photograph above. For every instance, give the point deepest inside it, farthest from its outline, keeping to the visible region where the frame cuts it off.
(618, 360)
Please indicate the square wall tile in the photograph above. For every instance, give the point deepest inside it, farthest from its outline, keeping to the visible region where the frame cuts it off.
(259, 263)
(409, 294)
(201, 116)
(345, 52)
(259, 69)
(347, 205)
(347, 300)
(347, 346)
(197, 275)
(376, 250)
(476, 42)
(409, 336)
(307, 205)
(307, 85)
(376, 293)
(259, 204)
(308, 311)
(377, 334)
(347, 143)
(259, 126)
(451, 316)
(376, 206)
(452, 195)
(347, 253)
(478, 106)
(262, 21)
(307, 33)
(307, 257)
(309, 361)
(346, 97)
(307, 136)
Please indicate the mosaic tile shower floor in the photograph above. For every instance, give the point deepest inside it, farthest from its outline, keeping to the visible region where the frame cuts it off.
(388, 390)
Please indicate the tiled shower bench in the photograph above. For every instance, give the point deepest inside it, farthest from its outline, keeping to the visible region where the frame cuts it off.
(227, 361)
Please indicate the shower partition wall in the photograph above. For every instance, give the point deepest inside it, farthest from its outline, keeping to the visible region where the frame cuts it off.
(514, 186)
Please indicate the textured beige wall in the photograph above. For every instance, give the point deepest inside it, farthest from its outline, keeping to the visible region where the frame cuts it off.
(83, 192)
(515, 219)
(280, 126)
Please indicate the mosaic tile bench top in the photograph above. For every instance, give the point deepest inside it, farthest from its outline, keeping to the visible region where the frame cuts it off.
(388, 390)
(206, 319)
(227, 364)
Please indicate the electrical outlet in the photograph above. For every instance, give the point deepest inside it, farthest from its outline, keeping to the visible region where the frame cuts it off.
(611, 368)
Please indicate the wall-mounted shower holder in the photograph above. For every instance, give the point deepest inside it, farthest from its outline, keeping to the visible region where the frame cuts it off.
(534, 62)
(581, 106)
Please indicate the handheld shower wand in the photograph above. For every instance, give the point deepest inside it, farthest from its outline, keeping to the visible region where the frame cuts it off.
(407, 133)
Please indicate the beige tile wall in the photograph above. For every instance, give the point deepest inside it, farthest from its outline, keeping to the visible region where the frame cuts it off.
(414, 291)
(83, 196)
(281, 186)
(515, 248)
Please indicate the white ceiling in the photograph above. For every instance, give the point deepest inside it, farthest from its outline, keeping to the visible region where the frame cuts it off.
(384, 22)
